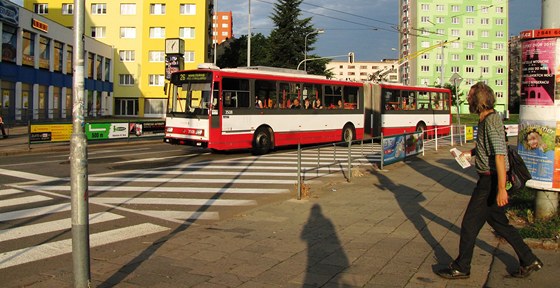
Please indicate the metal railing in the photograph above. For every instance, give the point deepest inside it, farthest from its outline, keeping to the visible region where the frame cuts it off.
(346, 155)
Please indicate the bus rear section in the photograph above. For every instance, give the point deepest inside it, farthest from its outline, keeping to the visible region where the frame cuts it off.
(397, 109)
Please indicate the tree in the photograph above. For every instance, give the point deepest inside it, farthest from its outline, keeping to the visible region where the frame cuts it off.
(235, 52)
(287, 39)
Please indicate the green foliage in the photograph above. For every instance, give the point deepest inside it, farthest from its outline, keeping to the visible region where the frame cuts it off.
(522, 206)
(472, 119)
(234, 52)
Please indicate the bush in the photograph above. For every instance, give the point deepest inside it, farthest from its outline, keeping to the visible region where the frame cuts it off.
(521, 212)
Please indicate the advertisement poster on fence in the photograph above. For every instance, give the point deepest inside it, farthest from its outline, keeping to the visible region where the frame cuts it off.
(50, 132)
(414, 144)
(536, 145)
(146, 128)
(393, 149)
(104, 131)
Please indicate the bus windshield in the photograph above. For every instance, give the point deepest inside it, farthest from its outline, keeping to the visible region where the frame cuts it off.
(191, 98)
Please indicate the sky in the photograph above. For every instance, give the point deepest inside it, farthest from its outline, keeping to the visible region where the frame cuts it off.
(350, 24)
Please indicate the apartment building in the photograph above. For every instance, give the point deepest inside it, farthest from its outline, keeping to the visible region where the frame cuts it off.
(475, 37)
(36, 69)
(361, 71)
(223, 27)
(137, 30)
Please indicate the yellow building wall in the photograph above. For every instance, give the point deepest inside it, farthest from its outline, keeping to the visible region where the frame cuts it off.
(141, 68)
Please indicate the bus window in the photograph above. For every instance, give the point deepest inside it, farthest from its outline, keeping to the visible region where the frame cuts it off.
(265, 93)
(312, 92)
(391, 99)
(236, 93)
(445, 101)
(423, 101)
(409, 102)
(436, 101)
(333, 97)
(351, 97)
(288, 92)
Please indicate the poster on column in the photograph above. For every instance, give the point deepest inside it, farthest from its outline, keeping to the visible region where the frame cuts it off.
(538, 64)
(536, 143)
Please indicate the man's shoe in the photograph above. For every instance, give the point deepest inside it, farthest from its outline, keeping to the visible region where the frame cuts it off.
(525, 271)
(450, 273)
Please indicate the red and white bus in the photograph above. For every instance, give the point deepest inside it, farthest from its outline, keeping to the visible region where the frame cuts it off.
(241, 108)
(226, 109)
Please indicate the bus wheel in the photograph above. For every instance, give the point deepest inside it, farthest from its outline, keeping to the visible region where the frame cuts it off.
(262, 141)
(348, 133)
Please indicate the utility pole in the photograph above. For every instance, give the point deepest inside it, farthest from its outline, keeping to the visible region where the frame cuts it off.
(78, 159)
(249, 37)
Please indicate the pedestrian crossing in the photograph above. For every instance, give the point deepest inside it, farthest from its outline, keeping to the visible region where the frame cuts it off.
(178, 194)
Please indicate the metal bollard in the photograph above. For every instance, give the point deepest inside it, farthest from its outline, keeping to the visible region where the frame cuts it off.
(298, 171)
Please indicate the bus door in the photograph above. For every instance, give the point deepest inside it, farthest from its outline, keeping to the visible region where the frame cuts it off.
(215, 106)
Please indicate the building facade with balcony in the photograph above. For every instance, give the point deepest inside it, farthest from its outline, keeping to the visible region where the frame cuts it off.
(475, 37)
(137, 30)
(361, 71)
(36, 68)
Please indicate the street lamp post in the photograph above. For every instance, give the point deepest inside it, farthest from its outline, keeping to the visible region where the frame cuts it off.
(316, 31)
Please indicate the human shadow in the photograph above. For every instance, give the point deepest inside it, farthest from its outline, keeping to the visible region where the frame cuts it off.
(325, 256)
(410, 202)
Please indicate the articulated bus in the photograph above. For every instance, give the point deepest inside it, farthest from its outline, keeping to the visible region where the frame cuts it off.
(260, 109)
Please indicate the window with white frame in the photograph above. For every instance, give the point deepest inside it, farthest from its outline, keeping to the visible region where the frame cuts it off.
(225, 17)
(440, 32)
(500, 21)
(455, 57)
(500, 34)
(500, 46)
(469, 82)
(189, 56)
(425, 68)
(41, 8)
(469, 69)
(187, 9)
(440, 8)
(469, 8)
(225, 25)
(440, 20)
(425, 56)
(438, 56)
(469, 21)
(455, 20)
(484, 33)
(67, 8)
(454, 69)
(470, 45)
(187, 32)
(499, 58)
(425, 7)
(469, 57)
(425, 81)
(499, 94)
(425, 32)
(499, 82)
(126, 79)
(455, 8)
(499, 10)
(500, 70)
(485, 21)
(157, 9)
(156, 56)
(469, 33)
(128, 9)
(485, 45)
(157, 32)
(98, 8)
(455, 45)
(156, 79)
(484, 9)
(438, 69)
(484, 57)
(127, 55)
(98, 32)
(484, 70)
(425, 19)
(425, 44)
(128, 32)
(455, 32)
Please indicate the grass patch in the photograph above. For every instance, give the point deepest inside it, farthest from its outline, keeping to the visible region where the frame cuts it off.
(472, 119)
(521, 213)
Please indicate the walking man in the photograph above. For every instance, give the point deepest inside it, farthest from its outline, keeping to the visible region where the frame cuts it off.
(489, 196)
(4, 135)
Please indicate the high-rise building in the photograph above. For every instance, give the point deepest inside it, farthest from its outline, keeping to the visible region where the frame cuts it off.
(474, 34)
(223, 27)
(137, 30)
(361, 71)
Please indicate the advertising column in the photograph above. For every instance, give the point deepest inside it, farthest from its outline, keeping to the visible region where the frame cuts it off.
(539, 119)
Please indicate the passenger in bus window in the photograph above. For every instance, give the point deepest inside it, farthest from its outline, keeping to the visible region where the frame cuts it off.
(306, 104)
(258, 103)
(295, 104)
(340, 106)
(318, 104)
